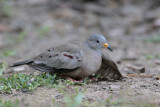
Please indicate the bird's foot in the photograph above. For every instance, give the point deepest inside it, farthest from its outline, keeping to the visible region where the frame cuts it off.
(71, 79)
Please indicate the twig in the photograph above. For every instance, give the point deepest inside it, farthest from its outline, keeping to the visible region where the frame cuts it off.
(148, 76)
(129, 58)
(136, 75)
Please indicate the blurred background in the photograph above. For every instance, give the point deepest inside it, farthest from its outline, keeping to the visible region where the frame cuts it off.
(28, 27)
(132, 28)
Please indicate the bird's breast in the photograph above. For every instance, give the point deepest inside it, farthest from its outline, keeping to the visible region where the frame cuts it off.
(91, 64)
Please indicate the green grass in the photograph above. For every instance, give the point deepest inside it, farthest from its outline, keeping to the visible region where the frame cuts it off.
(25, 82)
(78, 100)
(150, 57)
(12, 41)
(30, 82)
(6, 10)
(20, 37)
(153, 39)
(7, 52)
(3, 67)
(9, 103)
(43, 31)
(73, 100)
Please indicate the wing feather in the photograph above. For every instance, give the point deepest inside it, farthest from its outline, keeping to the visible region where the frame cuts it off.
(58, 59)
(108, 69)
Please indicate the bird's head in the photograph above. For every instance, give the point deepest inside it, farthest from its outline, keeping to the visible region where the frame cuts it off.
(98, 41)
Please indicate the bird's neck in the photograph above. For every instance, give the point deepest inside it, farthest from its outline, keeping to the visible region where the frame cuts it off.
(91, 48)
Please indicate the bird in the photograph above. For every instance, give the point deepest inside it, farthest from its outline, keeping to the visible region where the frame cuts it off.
(77, 59)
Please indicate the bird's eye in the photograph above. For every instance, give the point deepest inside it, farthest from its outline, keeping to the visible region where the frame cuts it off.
(97, 41)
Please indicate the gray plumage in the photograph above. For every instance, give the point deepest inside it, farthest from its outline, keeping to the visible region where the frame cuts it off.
(76, 59)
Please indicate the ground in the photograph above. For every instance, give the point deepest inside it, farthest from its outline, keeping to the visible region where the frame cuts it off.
(131, 28)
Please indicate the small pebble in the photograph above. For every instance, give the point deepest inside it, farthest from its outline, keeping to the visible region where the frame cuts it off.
(114, 87)
(157, 62)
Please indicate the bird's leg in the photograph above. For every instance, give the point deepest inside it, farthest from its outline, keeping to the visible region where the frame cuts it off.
(71, 79)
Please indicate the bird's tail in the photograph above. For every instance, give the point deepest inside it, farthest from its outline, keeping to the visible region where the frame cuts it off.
(21, 63)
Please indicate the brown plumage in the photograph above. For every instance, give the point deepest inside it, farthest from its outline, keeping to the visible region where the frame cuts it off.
(108, 69)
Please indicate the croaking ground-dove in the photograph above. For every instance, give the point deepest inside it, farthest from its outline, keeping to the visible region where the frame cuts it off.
(77, 59)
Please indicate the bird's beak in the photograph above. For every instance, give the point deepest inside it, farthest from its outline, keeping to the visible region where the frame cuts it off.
(107, 46)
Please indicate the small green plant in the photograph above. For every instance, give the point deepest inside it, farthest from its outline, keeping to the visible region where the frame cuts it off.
(16, 38)
(31, 82)
(8, 52)
(3, 66)
(43, 30)
(150, 57)
(74, 100)
(21, 36)
(153, 39)
(9, 103)
(26, 82)
(69, 82)
(6, 10)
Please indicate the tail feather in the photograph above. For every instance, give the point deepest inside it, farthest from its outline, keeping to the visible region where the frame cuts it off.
(21, 63)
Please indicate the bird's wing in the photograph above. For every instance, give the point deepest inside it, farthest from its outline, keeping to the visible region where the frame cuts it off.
(60, 58)
(108, 69)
